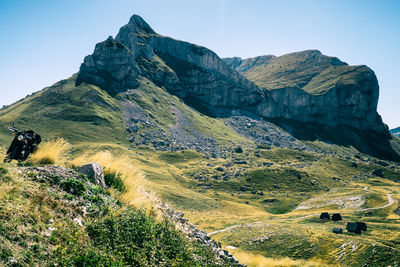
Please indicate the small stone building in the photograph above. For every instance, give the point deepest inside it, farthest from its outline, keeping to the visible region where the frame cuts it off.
(325, 216)
(336, 217)
(356, 227)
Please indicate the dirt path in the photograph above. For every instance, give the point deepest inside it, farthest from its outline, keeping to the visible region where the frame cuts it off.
(389, 198)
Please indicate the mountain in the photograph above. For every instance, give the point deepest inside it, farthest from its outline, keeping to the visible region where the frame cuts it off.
(396, 131)
(242, 149)
(305, 87)
(309, 95)
(312, 87)
(319, 89)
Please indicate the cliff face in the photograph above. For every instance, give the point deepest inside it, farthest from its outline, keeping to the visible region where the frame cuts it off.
(311, 87)
(305, 86)
(184, 69)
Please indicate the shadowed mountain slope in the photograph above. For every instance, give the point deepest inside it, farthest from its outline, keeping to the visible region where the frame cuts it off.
(141, 86)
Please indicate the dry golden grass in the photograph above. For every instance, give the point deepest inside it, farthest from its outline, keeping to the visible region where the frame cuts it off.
(133, 178)
(251, 259)
(2, 153)
(51, 152)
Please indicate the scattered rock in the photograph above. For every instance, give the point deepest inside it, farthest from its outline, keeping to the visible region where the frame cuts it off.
(378, 172)
(194, 233)
(337, 230)
(94, 172)
(78, 221)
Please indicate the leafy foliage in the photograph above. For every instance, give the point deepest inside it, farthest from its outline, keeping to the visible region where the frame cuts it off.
(129, 238)
(73, 186)
(114, 179)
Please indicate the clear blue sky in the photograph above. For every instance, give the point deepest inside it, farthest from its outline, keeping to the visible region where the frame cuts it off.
(43, 41)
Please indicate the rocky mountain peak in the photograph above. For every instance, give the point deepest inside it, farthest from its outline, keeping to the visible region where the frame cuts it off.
(187, 70)
(305, 86)
(139, 25)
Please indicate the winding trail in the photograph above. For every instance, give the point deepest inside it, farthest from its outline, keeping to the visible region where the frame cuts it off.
(389, 198)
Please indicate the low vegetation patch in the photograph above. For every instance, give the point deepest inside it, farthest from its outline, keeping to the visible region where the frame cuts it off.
(43, 223)
(73, 186)
(114, 179)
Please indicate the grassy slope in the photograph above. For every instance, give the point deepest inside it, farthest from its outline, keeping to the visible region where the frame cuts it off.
(212, 199)
(308, 70)
(161, 110)
(39, 228)
(80, 114)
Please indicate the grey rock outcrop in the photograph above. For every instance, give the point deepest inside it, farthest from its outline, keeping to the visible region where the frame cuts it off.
(310, 87)
(304, 86)
(94, 172)
(186, 70)
(195, 234)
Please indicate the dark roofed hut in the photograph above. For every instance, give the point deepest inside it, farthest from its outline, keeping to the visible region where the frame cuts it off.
(336, 217)
(356, 227)
(363, 226)
(352, 227)
(325, 216)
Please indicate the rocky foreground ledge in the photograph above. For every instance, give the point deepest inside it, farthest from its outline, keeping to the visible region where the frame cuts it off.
(193, 233)
(85, 189)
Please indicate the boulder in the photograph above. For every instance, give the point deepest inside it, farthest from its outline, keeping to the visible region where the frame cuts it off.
(238, 150)
(378, 172)
(337, 230)
(94, 172)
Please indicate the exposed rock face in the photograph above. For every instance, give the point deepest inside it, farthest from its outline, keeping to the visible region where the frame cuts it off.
(94, 172)
(311, 87)
(305, 86)
(193, 233)
(185, 69)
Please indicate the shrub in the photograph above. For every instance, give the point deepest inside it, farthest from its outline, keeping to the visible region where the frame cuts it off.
(114, 179)
(73, 186)
(3, 171)
(138, 239)
(130, 238)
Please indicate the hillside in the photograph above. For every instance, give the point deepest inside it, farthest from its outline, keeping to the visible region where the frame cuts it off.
(396, 131)
(54, 216)
(185, 128)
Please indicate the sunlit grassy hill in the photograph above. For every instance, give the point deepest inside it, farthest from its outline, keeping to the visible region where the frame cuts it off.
(80, 114)
(241, 172)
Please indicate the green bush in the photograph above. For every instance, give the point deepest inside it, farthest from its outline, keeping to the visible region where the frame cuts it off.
(130, 238)
(114, 179)
(73, 186)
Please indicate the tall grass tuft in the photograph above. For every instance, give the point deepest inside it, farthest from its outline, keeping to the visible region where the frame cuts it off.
(51, 152)
(134, 183)
(251, 260)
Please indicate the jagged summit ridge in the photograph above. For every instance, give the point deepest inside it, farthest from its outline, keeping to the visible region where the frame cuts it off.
(306, 86)
(186, 70)
(139, 24)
